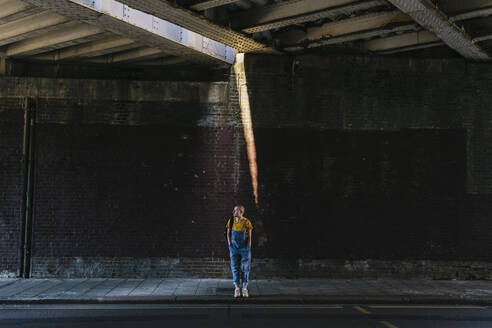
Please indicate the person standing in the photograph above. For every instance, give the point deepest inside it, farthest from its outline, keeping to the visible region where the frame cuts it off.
(239, 234)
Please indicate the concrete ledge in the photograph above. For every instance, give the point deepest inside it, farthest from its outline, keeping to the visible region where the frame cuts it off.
(292, 299)
(220, 291)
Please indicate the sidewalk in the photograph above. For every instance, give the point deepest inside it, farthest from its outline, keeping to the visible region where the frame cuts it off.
(261, 291)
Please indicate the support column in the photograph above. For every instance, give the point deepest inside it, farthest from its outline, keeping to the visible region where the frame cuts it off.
(3, 64)
(28, 152)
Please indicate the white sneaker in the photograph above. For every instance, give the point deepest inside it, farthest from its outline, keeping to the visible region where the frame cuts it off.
(237, 293)
(245, 292)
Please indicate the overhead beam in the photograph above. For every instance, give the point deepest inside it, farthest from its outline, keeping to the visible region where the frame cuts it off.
(166, 10)
(400, 41)
(131, 56)
(54, 40)
(31, 26)
(3, 64)
(331, 13)
(260, 2)
(14, 9)
(478, 13)
(363, 35)
(144, 28)
(430, 17)
(413, 48)
(91, 49)
(11, 7)
(343, 27)
(416, 41)
(408, 42)
(244, 4)
(283, 10)
(202, 6)
(482, 38)
(171, 60)
(366, 33)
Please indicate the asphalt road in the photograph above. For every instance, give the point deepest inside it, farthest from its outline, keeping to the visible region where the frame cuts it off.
(246, 315)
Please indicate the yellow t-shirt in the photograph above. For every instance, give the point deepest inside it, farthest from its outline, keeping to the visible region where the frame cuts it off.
(243, 225)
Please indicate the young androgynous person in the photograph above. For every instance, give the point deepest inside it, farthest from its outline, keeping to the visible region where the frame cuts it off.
(239, 240)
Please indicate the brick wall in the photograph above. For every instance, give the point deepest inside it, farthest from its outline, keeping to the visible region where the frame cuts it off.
(373, 158)
(11, 184)
(367, 167)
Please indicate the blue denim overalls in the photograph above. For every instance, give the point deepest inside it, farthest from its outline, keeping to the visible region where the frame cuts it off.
(240, 253)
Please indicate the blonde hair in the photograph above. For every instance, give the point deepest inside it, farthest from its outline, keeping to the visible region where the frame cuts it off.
(241, 207)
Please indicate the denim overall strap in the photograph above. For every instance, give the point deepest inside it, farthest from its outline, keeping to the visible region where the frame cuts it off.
(238, 237)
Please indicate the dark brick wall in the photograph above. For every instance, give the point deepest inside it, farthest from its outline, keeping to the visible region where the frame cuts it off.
(119, 191)
(364, 195)
(11, 184)
(373, 158)
(367, 167)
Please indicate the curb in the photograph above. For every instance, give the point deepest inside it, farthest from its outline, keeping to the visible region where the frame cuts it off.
(355, 299)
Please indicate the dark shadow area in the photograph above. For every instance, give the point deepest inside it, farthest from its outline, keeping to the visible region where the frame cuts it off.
(355, 195)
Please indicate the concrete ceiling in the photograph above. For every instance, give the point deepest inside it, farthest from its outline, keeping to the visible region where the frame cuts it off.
(162, 32)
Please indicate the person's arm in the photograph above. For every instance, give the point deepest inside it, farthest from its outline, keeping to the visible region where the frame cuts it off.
(250, 234)
(228, 236)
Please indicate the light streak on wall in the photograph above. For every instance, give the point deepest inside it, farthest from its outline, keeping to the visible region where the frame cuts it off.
(247, 122)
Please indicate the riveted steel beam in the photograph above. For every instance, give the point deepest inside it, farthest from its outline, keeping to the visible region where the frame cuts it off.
(190, 20)
(146, 29)
(425, 13)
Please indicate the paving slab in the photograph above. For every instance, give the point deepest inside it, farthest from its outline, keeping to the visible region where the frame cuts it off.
(146, 288)
(262, 291)
(104, 288)
(64, 288)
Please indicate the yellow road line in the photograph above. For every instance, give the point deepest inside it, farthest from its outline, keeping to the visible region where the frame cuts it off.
(426, 307)
(361, 309)
(388, 325)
